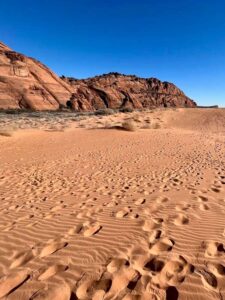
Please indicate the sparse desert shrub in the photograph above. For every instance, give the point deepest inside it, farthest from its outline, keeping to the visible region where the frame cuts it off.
(54, 129)
(137, 119)
(6, 133)
(13, 111)
(155, 125)
(108, 125)
(80, 118)
(126, 110)
(34, 115)
(129, 125)
(105, 112)
(85, 113)
(146, 126)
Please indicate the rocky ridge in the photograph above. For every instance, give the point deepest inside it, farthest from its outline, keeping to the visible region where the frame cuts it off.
(26, 83)
(118, 91)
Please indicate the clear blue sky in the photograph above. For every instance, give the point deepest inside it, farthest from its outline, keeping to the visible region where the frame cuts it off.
(181, 41)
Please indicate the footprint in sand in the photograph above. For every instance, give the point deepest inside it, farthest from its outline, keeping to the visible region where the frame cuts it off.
(150, 269)
(94, 288)
(138, 257)
(10, 282)
(125, 277)
(116, 264)
(75, 229)
(112, 203)
(162, 245)
(162, 199)
(21, 259)
(123, 213)
(13, 207)
(217, 269)
(181, 219)
(109, 286)
(119, 278)
(182, 207)
(52, 247)
(154, 265)
(25, 218)
(204, 207)
(213, 249)
(148, 211)
(170, 273)
(92, 229)
(88, 229)
(215, 189)
(88, 213)
(51, 271)
(140, 201)
(152, 224)
(209, 280)
(32, 224)
(49, 216)
(134, 216)
(59, 291)
(81, 215)
(10, 226)
(145, 295)
(57, 207)
(202, 199)
(155, 235)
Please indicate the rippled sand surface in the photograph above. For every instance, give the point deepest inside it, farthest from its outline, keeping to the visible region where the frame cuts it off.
(89, 211)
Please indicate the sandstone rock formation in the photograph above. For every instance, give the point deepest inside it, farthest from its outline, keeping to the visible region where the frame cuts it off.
(116, 90)
(25, 83)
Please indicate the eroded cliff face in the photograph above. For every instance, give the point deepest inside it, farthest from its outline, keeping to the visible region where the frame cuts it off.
(115, 90)
(25, 83)
(28, 84)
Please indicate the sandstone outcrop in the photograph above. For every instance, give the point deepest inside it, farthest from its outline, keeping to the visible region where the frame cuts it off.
(25, 83)
(117, 91)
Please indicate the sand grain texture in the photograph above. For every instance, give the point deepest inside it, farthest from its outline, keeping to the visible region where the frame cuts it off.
(98, 213)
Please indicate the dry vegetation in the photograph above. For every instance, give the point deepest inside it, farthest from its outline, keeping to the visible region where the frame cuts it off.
(129, 125)
(155, 125)
(61, 121)
(5, 133)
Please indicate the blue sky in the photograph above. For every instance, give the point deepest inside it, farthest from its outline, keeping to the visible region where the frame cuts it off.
(179, 41)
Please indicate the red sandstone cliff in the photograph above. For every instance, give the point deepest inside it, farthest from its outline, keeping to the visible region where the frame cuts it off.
(115, 90)
(25, 83)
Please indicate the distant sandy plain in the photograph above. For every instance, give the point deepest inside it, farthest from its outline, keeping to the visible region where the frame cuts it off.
(89, 210)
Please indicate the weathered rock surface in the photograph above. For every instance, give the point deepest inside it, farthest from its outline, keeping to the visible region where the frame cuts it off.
(25, 83)
(115, 90)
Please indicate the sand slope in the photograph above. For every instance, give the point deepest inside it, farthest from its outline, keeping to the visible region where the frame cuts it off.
(110, 214)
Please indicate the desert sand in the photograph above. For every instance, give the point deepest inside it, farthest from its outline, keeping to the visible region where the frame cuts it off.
(89, 211)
